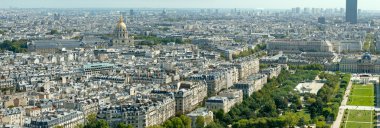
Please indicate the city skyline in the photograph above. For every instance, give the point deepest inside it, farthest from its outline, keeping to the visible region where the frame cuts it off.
(189, 63)
(268, 4)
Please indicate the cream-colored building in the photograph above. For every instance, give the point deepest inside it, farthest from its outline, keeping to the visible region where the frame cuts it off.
(7, 83)
(252, 84)
(61, 117)
(225, 100)
(350, 46)
(146, 110)
(154, 77)
(33, 111)
(190, 95)
(88, 107)
(16, 100)
(300, 45)
(12, 116)
(272, 71)
(206, 114)
(218, 79)
(245, 67)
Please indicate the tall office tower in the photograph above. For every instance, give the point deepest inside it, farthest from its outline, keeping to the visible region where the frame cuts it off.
(341, 11)
(164, 12)
(57, 16)
(306, 10)
(352, 11)
(131, 12)
(322, 20)
(298, 10)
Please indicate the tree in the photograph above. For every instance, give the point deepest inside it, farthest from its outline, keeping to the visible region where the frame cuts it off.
(94, 123)
(291, 119)
(311, 100)
(102, 124)
(122, 125)
(214, 125)
(177, 122)
(168, 124)
(322, 124)
(281, 102)
(219, 114)
(186, 121)
(53, 32)
(304, 119)
(91, 121)
(79, 126)
(58, 127)
(200, 122)
(131, 126)
(155, 126)
(17, 46)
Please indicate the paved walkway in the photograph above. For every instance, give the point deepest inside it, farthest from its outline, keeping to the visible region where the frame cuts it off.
(359, 107)
(338, 119)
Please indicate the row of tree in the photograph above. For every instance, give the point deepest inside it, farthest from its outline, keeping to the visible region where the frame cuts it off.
(369, 44)
(153, 40)
(175, 122)
(289, 119)
(17, 46)
(183, 121)
(249, 52)
(318, 67)
(325, 105)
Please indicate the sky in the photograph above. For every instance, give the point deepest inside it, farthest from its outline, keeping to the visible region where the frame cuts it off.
(264, 4)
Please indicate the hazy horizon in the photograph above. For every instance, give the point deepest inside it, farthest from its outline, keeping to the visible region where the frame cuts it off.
(267, 4)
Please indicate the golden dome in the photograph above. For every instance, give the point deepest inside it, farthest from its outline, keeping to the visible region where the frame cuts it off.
(121, 24)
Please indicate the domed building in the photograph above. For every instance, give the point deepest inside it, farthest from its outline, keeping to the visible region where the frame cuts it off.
(365, 64)
(121, 35)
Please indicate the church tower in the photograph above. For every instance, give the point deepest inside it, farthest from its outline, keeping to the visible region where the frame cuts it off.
(121, 36)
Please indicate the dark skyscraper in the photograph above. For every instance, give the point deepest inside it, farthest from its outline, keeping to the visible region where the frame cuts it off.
(322, 20)
(352, 11)
(131, 12)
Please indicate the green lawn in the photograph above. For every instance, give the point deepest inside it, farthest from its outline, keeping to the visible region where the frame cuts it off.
(358, 119)
(357, 125)
(361, 101)
(362, 95)
(360, 115)
(367, 86)
(363, 92)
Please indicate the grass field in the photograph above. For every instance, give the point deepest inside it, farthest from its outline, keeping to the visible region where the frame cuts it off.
(358, 119)
(362, 95)
(357, 125)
